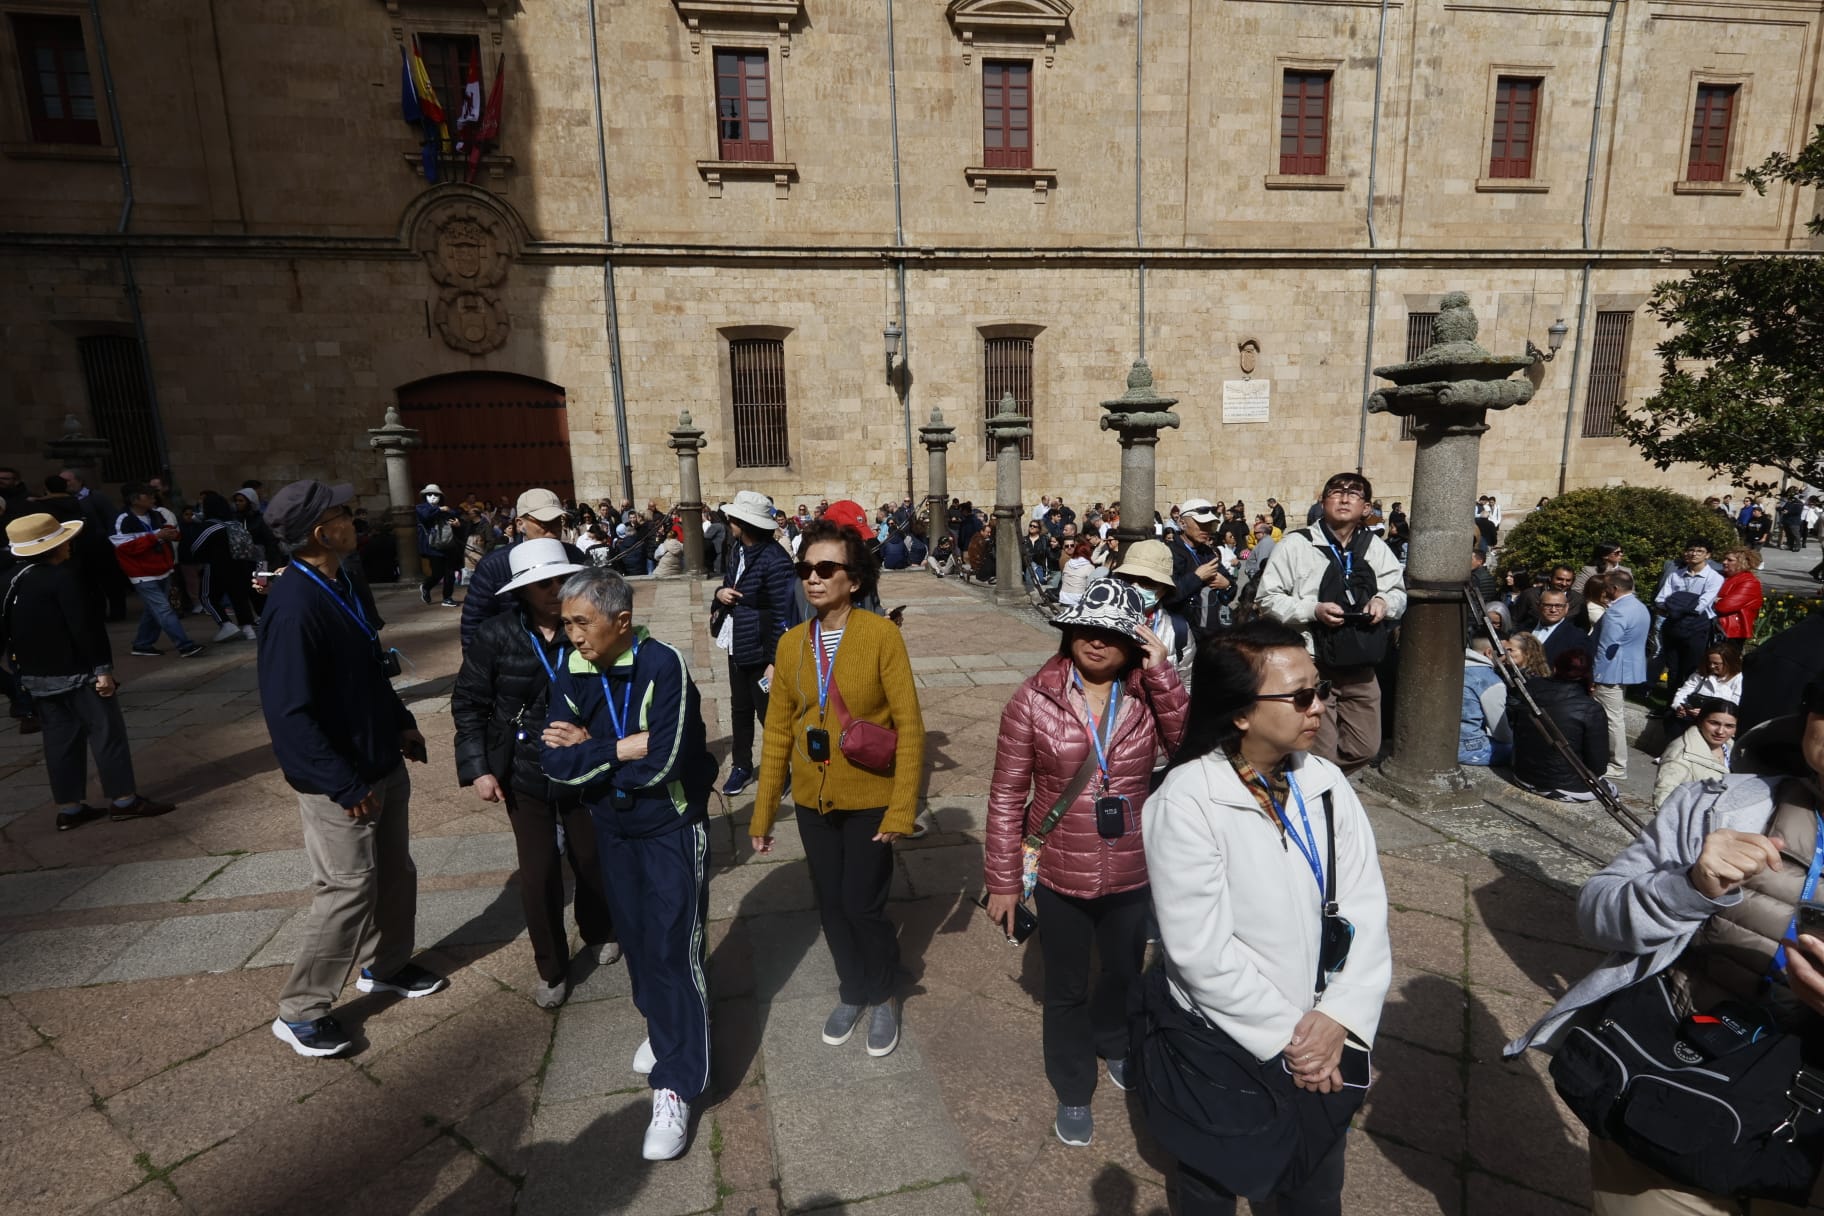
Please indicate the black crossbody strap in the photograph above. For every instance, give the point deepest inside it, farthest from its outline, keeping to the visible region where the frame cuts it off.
(1330, 863)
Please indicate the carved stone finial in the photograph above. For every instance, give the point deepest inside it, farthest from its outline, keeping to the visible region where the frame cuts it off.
(1140, 409)
(1450, 386)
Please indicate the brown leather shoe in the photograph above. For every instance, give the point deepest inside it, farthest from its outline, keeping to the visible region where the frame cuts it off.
(87, 814)
(141, 807)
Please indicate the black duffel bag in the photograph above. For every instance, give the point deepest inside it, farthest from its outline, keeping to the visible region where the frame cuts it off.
(1235, 1119)
(1748, 1122)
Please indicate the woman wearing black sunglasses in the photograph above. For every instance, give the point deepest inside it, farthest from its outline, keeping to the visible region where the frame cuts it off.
(841, 670)
(1273, 916)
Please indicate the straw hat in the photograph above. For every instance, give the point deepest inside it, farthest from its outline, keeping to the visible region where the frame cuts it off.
(1150, 562)
(30, 535)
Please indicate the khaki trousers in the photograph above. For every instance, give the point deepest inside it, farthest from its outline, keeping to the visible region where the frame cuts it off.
(366, 896)
(1614, 704)
(1621, 1186)
(1350, 733)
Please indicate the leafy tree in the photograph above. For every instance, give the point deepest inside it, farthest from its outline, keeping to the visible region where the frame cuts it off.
(1742, 380)
(1650, 525)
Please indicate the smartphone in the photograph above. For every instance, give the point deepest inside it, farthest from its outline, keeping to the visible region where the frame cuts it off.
(1811, 918)
(1025, 924)
(766, 684)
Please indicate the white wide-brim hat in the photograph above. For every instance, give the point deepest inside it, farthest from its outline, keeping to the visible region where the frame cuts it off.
(534, 561)
(753, 509)
(432, 488)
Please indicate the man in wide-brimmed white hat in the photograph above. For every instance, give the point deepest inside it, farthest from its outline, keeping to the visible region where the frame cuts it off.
(56, 644)
(752, 612)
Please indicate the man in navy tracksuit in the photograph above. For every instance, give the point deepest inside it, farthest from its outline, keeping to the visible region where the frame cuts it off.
(626, 719)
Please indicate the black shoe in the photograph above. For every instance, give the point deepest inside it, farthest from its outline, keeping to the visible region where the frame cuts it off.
(323, 1037)
(409, 981)
(449, 603)
(141, 807)
(424, 592)
(29, 724)
(190, 651)
(68, 821)
(148, 652)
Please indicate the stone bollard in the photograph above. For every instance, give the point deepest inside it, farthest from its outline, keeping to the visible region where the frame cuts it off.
(687, 440)
(937, 436)
(1007, 428)
(1137, 416)
(1447, 392)
(74, 450)
(395, 439)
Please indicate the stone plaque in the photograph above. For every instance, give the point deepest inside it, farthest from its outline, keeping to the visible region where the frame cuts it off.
(1245, 400)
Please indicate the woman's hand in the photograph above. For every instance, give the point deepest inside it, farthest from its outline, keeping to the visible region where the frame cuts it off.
(1000, 911)
(633, 747)
(886, 837)
(762, 844)
(1316, 1049)
(105, 686)
(564, 734)
(1328, 1085)
(1152, 649)
(1730, 858)
(487, 787)
(727, 595)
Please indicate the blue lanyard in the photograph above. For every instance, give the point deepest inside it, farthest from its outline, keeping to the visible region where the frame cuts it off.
(621, 719)
(1344, 557)
(1110, 714)
(1810, 888)
(1307, 847)
(349, 605)
(538, 649)
(826, 672)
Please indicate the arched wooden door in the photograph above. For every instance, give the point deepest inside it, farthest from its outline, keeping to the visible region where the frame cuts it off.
(489, 434)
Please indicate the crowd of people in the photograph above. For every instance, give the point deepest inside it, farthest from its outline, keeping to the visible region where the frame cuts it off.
(1177, 773)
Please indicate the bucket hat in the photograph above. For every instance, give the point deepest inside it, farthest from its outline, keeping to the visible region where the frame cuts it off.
(295, 509)
(753, 509)
(534, 561)
(431, 488)
(1108, 604)
(1149, 561)
(30, 535)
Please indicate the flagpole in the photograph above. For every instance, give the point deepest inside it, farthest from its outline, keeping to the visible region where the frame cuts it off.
(614, 321)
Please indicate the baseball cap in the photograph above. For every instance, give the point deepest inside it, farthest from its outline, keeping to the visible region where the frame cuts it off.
(542, 505)
(1200, 509)
(294, 510)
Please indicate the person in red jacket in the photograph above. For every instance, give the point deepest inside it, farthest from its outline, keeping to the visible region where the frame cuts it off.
(1738, 604)
(1101, 709)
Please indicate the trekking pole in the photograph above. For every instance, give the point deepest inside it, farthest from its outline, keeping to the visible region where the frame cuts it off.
(1515, 679)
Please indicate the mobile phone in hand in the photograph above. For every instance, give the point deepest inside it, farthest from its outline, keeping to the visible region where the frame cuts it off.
(1811, 918)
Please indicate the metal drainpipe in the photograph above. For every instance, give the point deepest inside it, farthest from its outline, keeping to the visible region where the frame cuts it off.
(899, 241)
(1583, 295)
(1139, 236)
(1374, 267)
(130, 283)
(614, 319)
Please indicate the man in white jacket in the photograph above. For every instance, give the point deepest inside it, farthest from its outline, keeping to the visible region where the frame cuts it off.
(1340, 586)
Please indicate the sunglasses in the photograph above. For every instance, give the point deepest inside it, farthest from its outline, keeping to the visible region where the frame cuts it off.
(823, 570)
(1302, 699)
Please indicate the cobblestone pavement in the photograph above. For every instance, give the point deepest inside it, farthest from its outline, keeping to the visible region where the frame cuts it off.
(140, 964)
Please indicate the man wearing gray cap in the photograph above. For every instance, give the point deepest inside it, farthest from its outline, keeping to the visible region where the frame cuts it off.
(340, 735)
(540, 516)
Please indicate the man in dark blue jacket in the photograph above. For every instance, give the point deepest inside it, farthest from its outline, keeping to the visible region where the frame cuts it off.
(340, 735)
(626, 721)
(540, 515)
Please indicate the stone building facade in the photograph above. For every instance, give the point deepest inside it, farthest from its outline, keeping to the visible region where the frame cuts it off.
(223, 242)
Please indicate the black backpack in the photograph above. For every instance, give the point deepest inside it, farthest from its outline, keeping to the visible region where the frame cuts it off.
(1356, 642)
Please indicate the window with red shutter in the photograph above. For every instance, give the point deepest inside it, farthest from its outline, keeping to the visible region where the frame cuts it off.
(744, 120)
(1516, 111)
(1710, 123)
(59, 93)
(1006, 114)
(1304, 124)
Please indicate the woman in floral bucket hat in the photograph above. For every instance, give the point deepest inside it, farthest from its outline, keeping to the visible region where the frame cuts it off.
(1073, 761)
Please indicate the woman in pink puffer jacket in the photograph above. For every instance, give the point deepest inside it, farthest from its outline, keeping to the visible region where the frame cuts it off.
(1092, 882)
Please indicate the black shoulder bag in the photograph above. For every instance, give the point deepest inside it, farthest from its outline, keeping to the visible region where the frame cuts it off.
(1349, 580)
(1241, 1121)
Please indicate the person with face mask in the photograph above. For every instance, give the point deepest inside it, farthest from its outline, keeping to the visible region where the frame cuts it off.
(1147, 568)
(439, 543)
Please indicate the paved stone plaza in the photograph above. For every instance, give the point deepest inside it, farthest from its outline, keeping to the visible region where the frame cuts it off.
(140, 964)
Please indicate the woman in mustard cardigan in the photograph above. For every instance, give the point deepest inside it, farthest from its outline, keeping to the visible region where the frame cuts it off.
(848, 816)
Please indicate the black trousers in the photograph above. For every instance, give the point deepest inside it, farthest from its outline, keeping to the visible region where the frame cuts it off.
(1081, 1030)
(851, 875)
(1321, 1194)
(541, 879)
(1682, 655)
(443, 568)
(76, 723)
(746, 703)
(228, 579)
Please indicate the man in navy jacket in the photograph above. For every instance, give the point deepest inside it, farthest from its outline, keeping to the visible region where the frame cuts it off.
(340, 735)
(627, 723)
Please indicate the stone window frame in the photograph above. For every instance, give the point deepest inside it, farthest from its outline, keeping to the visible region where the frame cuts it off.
(1006, 329)
(415, 21)
(981, 176)
(16, 139)
(1738, 119)
(725, 385)
(1540, 182)
(1276, 85)
(715, 171)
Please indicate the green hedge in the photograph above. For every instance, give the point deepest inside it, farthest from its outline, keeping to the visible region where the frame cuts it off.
(1650, 526)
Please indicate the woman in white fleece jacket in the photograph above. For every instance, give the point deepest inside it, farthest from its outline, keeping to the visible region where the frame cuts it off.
(1236, 846)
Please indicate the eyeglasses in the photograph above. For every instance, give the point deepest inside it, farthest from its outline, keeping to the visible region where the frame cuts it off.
(1302, 698)
(823, 570)
(1346, 492)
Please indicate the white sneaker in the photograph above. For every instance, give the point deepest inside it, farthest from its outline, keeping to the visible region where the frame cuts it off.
(608, 953)
(248, 633)
(643, 1059)
(670, 1127)
(228, 630)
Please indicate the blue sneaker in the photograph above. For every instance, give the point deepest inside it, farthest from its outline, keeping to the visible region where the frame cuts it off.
(409, 981)
(321, 1037)
(738, 778)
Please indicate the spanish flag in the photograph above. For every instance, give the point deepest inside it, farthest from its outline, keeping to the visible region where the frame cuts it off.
(427, 97)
